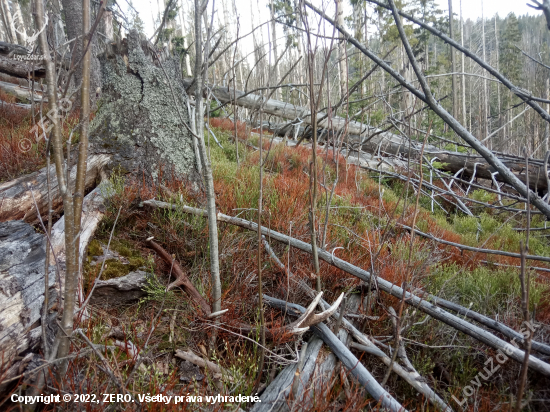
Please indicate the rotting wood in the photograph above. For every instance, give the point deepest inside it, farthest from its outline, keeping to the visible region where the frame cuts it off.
(22, 256)
(274, 398)
(20, 68)
(22, 263)
(16, 202)
(21, 93)
(454, 321)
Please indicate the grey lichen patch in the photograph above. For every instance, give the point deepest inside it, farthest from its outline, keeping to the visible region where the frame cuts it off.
(138, 120)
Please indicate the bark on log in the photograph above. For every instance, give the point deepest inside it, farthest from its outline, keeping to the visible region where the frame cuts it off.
(22, 94)
(275, 395)
(22, 266)
(16, 200)
(10, 49)
(143, 120)
(371, 140)
(21, 69)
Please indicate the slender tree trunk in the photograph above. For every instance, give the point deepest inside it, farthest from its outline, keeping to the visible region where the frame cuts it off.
(485, 113)
(184, 35)
(277, 76)
(71, 273)
(342, 60)
(546, 125)
(451, 35)
(462, 69)
(78, 196)
(21, 32)
(207, 167)
(498, 85)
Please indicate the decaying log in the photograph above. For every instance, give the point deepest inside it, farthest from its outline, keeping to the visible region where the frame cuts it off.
(22, 266)
(21, 68)
(11, 49)
(93, 209)
(347, 358)
(454, 321)
(23, 94)
(16, 200)
(274, 398)
(325, 369)
(373, 140)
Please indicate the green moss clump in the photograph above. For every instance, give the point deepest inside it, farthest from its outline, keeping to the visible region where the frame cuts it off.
(95, 249)
(117, 269)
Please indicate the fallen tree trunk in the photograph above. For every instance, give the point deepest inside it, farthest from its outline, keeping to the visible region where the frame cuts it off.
(274, 398)
(411, 376)
(16, 199)
(454, 321)
(373, 140)
(347, 358)
(22, 69)
(23, 94)
(22, 269)
(22, 275)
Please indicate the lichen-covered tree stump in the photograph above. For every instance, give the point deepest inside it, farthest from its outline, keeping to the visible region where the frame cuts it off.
(142, 118)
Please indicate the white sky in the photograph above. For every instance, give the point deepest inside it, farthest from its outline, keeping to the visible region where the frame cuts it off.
(470, 9)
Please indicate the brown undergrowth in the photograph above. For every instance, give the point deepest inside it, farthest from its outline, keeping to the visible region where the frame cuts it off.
(357, 231)
(22, 151)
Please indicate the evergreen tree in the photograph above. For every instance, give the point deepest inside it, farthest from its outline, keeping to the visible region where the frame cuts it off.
(509, 56)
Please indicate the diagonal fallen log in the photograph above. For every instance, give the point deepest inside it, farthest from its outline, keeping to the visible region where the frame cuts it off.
(347, 358)
(484, 320)
(473, 248)
(411, 376)
(372, 139)
(454, 321)
(425, 95)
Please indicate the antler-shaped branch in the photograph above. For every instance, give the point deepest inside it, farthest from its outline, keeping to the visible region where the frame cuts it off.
(544, 7)
(309, 318)
(304, 322)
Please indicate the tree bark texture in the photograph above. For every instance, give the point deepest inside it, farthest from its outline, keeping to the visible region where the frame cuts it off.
(138, 122)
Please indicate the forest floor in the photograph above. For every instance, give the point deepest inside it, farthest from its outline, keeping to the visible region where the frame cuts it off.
(359, 226)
